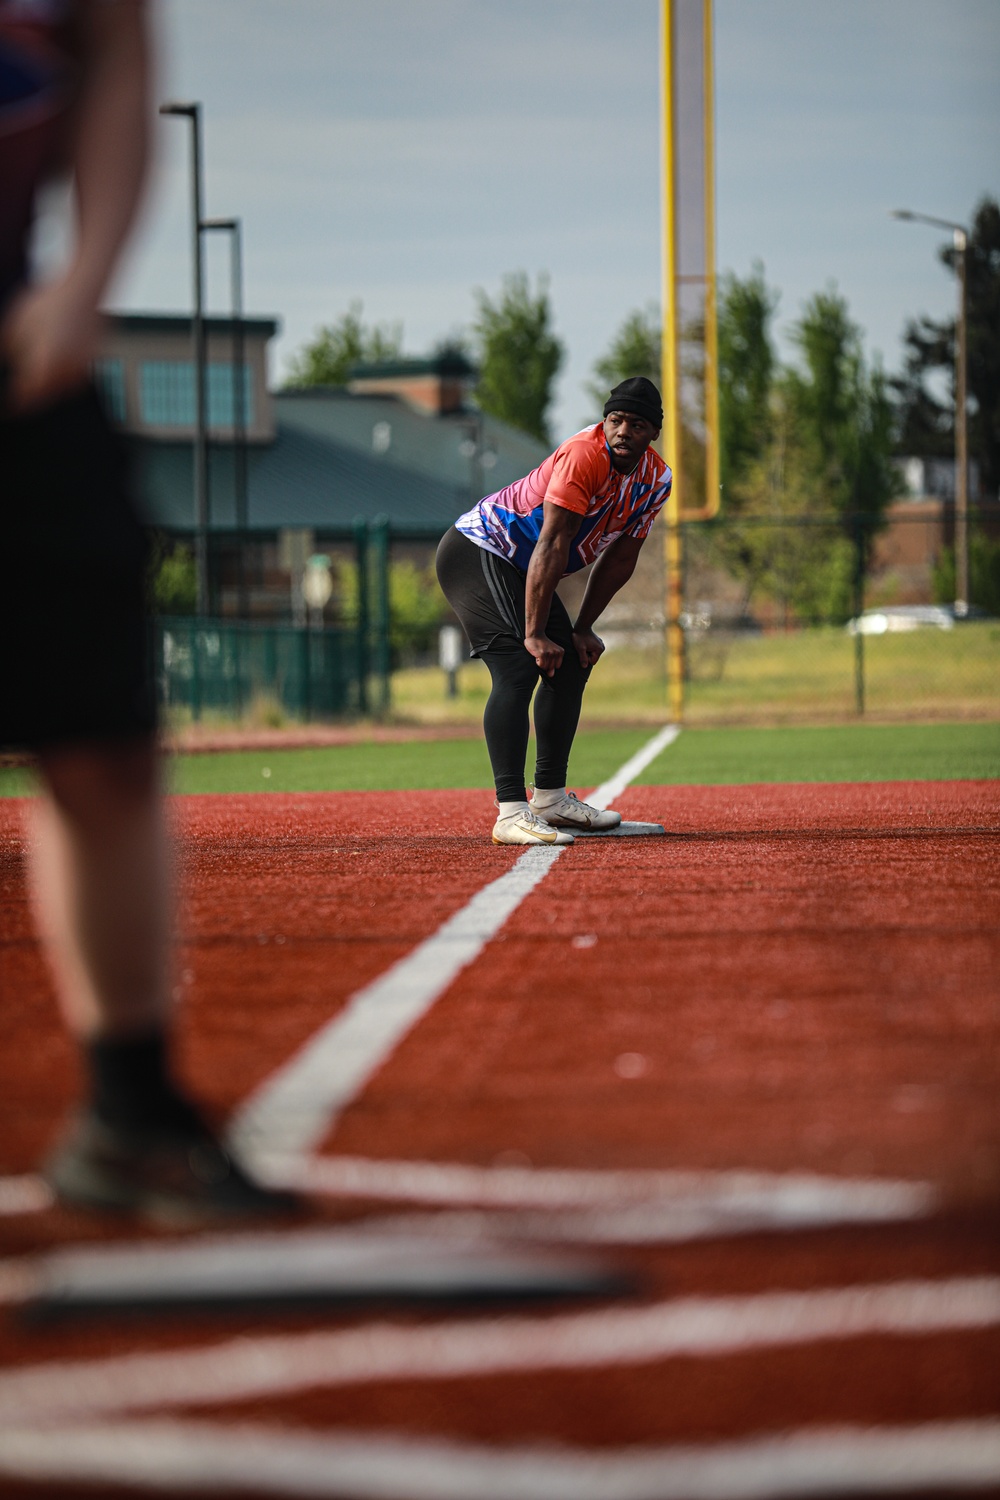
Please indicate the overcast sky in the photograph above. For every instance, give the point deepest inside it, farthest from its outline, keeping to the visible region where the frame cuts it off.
(407, 151)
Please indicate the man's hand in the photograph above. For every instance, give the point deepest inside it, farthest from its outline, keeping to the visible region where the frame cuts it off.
(48, 339)
(589, 647)
(49, 335)
(546, 653)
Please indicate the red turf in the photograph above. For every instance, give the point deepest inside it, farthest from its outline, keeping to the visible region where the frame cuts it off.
(810, 975)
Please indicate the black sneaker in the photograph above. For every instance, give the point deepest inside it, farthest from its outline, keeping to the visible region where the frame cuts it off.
(176, 1176)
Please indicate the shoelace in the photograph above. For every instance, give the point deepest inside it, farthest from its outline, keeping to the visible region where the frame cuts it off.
(574, 801)
(527, 816)
(531, 819)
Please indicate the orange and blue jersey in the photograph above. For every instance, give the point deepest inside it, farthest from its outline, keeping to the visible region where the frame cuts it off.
(579, 476)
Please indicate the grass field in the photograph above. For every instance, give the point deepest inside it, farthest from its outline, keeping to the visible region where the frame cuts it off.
(804, 676)
(883, 752)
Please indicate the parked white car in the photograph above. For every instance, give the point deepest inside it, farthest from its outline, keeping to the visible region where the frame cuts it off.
(902, 617)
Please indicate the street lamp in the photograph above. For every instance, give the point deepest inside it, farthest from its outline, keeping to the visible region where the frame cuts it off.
(192, 112)
(234, 229)
(960, 239)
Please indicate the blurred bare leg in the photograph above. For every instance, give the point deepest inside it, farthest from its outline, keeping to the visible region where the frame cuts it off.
(99, 877)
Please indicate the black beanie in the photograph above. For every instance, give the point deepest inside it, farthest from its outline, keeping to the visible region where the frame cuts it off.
(638, 395)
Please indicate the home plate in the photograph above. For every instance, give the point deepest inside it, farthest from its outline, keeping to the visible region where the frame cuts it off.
(314, 1266)
(623, 831)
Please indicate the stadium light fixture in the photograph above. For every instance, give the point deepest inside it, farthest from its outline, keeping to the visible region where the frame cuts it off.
(960, 240)
(192, 111)
(234, 228)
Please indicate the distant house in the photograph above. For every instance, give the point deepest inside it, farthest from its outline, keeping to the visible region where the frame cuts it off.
(402, 441)
(934, 478)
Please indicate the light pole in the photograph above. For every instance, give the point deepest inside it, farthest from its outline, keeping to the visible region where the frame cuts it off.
(960, 240)
(192, 112)
(234, 229)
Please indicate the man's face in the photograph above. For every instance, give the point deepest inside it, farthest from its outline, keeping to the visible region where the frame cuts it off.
(628, 438)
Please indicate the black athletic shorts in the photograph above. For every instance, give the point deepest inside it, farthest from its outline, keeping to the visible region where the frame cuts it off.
(75, 659)
(487, 594)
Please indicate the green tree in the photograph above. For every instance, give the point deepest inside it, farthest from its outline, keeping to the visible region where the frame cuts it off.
(843, 411)
(925, 426)
(779, 539)
(746, 375)
(336, 348)
(746, 366)
(417, 607)
(634, 350)
(519, 355)
(817, 453)
(984, 573)
(173, 580)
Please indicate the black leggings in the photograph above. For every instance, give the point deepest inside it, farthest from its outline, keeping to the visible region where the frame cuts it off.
(487, 594)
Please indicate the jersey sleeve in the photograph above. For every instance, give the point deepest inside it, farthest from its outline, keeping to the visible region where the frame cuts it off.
(577, 474)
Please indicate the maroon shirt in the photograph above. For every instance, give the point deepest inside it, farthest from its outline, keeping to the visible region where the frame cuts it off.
(39, 48)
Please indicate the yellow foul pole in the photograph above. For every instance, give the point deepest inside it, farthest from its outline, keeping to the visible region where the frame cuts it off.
(673, 542)
(689, 359)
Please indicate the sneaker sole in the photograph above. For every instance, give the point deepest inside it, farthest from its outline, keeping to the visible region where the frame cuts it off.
(526, 843)
(97, 1188)
(580, 827)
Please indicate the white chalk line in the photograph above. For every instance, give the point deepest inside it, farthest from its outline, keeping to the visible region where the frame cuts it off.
(566, 1205)
(603, 1208)
(294, 1109)
(387, 1466)
(664, 1223)
(25, 1194)
(787, 1194)
(609, 791)
(706, 1327)
(459, 1245)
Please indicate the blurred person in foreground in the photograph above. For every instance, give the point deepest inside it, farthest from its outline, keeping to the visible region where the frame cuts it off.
(75, 679)
(593, 501)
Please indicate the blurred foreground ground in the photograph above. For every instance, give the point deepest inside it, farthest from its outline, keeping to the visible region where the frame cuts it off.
(750, 1066)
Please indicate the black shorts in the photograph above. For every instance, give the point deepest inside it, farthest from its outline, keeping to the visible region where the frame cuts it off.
(75, 658)
(487, 594)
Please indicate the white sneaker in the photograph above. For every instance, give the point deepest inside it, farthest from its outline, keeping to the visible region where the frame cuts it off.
(565, 810)
(525, 828)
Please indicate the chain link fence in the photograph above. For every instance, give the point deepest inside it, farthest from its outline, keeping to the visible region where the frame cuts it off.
(789, 620)
(785, 621)
(829, 618)
(228, 667)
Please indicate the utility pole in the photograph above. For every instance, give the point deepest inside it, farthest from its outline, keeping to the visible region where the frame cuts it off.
(961, 242)
(234, 229)
(192, 112)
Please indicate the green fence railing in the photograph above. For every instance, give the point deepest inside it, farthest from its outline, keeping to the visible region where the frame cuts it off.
(223, 666)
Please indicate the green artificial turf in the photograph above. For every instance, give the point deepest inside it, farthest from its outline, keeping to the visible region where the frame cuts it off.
(855, 752)
(337, 768)
(381, 767)
(847, 752)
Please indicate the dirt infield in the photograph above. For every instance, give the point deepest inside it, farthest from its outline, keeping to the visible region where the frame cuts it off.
(675, 1053)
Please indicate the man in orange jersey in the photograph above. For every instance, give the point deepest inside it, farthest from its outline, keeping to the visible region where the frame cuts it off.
(592, 501)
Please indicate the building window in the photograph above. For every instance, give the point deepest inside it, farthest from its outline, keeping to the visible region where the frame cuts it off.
(168, 394)
(109, 375)
(222, 397)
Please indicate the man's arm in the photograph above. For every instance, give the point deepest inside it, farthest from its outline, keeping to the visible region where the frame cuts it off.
(546, 568)
(50, 334)
(610, 572)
